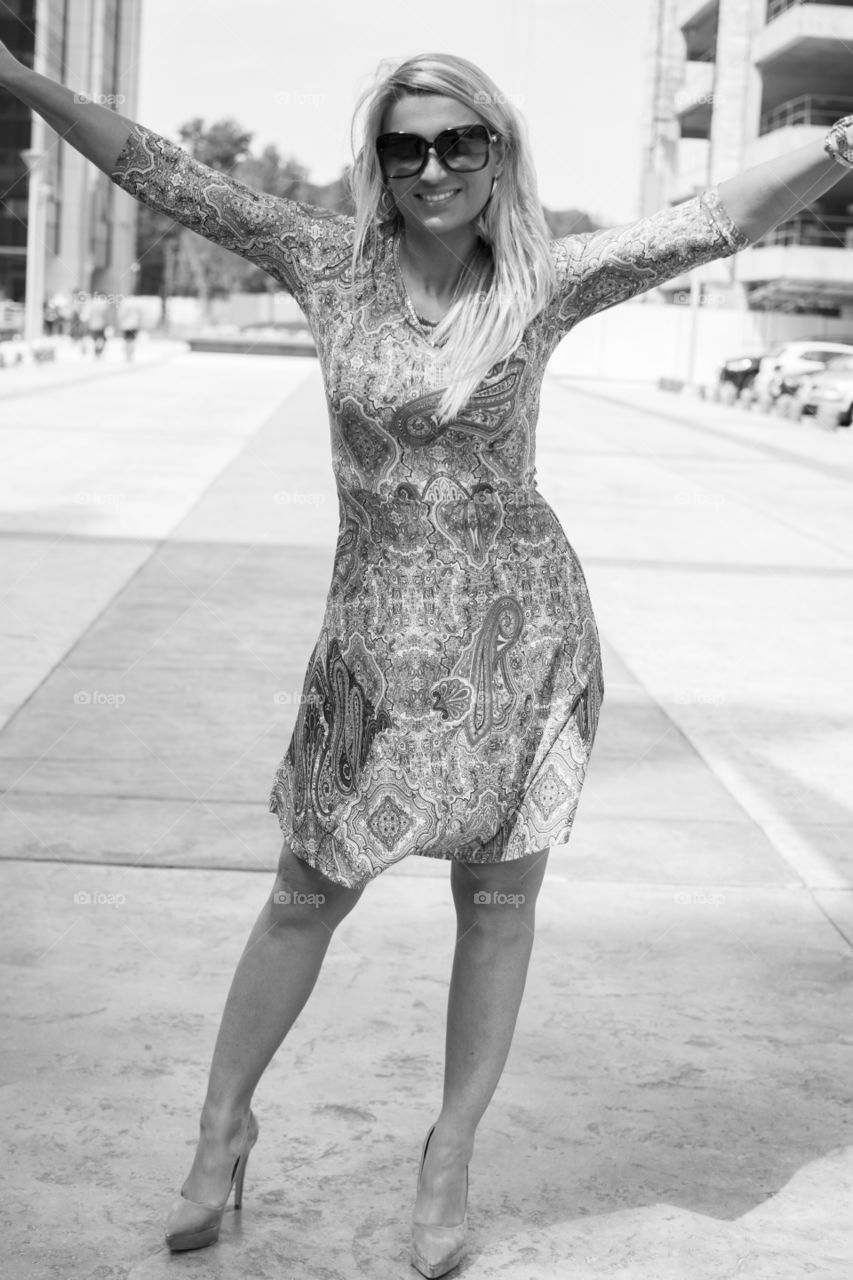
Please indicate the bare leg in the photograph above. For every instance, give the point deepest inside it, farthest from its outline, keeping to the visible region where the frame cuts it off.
(493, 945)
(273, 980)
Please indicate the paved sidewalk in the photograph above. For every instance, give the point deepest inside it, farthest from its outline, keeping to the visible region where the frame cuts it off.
(76, 362)
(676, 1101)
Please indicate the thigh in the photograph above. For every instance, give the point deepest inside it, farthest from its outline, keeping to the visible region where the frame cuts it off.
(515, 884)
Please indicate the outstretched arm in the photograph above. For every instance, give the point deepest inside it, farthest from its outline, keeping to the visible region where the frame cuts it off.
(768, 193)
(294, 242)
(95, 131)
(597, 269)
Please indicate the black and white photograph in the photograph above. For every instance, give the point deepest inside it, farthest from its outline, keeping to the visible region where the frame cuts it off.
(426, 612)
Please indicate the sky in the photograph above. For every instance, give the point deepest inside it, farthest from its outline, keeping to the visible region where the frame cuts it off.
(291, 73)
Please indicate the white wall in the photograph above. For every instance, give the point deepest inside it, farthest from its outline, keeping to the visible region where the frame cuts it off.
(647, 341)
(239, 309)
(633, 341)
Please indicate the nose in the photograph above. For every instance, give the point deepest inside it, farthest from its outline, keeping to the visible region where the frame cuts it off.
(433, 170)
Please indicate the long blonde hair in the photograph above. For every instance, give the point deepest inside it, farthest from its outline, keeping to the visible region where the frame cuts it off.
(513, 277)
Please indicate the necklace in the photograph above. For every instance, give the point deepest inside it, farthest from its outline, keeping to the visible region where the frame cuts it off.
(425, 327)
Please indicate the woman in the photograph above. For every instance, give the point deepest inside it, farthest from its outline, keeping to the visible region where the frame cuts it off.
(452, 698)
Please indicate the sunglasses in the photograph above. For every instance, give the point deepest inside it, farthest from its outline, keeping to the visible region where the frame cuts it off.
(462, 150)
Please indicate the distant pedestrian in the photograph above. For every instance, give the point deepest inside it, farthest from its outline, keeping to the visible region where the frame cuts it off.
(51, 317)
(76, 326)
(129, 321)
(96, 323)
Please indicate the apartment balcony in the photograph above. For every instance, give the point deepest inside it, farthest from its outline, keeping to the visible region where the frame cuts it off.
(801, 36)
(694, 99)
(692, 13)
(806, 109)
(807, 257)
(793, 123)
(697, 20)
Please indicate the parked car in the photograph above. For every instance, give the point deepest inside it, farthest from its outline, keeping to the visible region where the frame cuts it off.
(735, 376)
(779, 370)
(827, 395)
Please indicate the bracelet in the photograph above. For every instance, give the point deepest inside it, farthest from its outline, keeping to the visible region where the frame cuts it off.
(837, 144)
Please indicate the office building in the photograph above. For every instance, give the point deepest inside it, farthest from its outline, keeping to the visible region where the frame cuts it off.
(83, 228)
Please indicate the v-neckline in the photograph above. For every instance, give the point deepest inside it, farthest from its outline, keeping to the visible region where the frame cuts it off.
(424, 327)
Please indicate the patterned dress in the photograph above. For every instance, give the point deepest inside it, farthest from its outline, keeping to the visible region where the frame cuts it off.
(452, 697)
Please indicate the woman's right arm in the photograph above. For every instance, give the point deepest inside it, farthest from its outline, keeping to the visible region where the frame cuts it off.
(97, 132)
(294, 242)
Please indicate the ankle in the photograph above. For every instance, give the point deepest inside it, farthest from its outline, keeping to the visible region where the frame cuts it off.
(222, 1121)
(454, 1137)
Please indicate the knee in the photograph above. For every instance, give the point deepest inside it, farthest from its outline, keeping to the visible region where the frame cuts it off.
(303, 896)
(499, 911)
(498, 899)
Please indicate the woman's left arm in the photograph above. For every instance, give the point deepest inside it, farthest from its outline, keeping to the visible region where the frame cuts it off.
(598, 269)
(768, 193)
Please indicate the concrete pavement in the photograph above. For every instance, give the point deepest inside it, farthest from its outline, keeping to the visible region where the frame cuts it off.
(676, 1101)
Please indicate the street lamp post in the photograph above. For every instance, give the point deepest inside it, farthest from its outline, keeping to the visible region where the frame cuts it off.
(693, 334)
(38, 194)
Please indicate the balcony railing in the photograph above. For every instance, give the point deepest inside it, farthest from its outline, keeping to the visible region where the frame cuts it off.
(775, 7)
(808, 108)
(830, 231)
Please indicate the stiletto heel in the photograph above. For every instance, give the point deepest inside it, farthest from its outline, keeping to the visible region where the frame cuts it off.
(436, 1248)
(192, 1225)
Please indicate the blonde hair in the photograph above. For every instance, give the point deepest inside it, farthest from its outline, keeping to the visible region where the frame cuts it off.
(513, 276)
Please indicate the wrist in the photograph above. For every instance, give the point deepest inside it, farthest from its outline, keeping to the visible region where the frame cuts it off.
(838, 142)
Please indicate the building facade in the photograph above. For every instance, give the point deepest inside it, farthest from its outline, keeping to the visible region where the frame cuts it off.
(733, 83)
(83, 227)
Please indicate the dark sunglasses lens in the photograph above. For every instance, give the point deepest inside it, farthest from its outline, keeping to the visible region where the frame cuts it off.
(400, 156)
(466, 152)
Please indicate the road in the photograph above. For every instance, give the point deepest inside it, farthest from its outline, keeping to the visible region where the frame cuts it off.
(677, 1100)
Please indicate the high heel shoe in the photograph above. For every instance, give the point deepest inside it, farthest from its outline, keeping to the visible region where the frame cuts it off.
(192, 1225)
(437, 1249)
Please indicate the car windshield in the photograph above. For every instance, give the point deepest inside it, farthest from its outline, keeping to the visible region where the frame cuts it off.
(840, 364)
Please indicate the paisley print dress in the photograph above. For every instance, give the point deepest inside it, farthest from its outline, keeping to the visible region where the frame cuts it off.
(452, 697)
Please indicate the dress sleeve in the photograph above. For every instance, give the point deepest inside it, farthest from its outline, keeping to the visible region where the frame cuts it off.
(597, 269)
(286, 238)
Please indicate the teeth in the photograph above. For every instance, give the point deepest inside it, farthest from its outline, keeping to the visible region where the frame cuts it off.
(438, 199)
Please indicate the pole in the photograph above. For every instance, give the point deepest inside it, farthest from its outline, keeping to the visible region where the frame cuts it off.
(36, 209)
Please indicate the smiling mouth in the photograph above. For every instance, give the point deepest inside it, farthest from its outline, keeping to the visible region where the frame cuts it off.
(438, 198)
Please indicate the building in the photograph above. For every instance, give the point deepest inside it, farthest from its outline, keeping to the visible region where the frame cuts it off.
(733, 83)
(80, 228)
